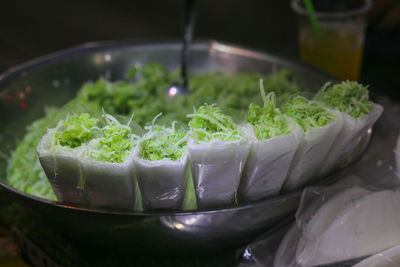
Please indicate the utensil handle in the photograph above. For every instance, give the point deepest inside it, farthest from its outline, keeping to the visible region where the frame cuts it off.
(188, 28)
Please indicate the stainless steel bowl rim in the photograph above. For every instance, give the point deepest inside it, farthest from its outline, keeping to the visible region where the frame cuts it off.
(99, 46)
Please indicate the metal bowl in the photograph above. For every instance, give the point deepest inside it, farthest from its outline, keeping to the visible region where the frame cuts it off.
(55, 79)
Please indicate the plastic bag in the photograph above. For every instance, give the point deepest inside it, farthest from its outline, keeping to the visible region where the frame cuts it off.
(348, 138)
(337, 224)
(80, 181)
(162, 183)
(217, 167)
(387, 258)
(311, 152)
(110, 185)
(397, 157)
(268, 164)
(261, 252)
(63, 170)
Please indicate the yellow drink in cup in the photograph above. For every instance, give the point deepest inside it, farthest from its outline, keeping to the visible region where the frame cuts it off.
(337, 48)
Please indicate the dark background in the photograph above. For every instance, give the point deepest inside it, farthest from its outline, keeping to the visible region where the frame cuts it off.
(32, 28)
(29, 29)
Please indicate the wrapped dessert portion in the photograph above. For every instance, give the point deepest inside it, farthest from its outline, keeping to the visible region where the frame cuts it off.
(59, 151)
(88, 164)
(321, 126)
(280, 146)
(161, 162)
(108, 167)
(218, 150)
(359, 114)
(272, 151)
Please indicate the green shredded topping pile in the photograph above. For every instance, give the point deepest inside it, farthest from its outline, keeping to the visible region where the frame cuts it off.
(115, 143)
(75, 130)
(267, 120)
(237, 91)
(349, 97)
(162, 142)
(145, 95)
(308, 114)
(111, 143)
(24, 170)
(209, 123)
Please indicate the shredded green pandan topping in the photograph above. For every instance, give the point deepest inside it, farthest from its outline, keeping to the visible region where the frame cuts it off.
(209, 123)
(111, 143)
(145, 96)
(308, 114)
(115, 143)
(267, 120)
(162, 142)
(237, 91)
(24, 170)
(75, 130)
(349, 97)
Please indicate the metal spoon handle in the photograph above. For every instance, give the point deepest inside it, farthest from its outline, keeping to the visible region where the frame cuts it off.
(189, 14)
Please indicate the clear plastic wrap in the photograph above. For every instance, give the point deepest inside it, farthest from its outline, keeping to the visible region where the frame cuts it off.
(110, 185)
(397, 157)
(261, 252)
(341, 224)
(268, 164)
(88, 182)
(78, 179)
(63, 170)
(311, 152)
(387, 258)
(286, 254)
(217, 167)
(162, 183)
(307, 252)
(348, 138)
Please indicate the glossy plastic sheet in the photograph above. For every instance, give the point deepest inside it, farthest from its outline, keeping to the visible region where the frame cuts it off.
(261, 252)
(216, 169)
(110, 185)
(162, 183)
(88, 182)
(387, 258)
(281, 241)
(268, 164)
(63, 171)
(348, 138)
(341, 224)
(311, 152)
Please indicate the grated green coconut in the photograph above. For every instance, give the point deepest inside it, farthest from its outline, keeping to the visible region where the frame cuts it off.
(307, 113)
(161, 142)
(349, 97)
(115, 143)
(75, 130)
(209, 123)
(267, 120)
(145, 96)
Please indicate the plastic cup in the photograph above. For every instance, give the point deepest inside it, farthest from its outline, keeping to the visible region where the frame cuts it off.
(337, 46)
